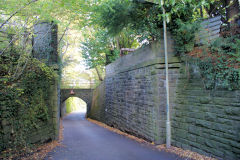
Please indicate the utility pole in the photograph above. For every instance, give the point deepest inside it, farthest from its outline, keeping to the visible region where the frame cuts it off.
(168, 124)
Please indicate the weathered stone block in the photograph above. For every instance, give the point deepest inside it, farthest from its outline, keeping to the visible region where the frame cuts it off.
(210, 116)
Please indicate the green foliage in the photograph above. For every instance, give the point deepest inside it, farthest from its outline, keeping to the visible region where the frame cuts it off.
(60, 11)
(145, 18)
(115, 15)
(219, 70)
(24, 101)
(219, 75)
(222, 69)
(219, 63)
(185, 36)
(140, 20)
(101, 49)
(75, 104)
(95, 49)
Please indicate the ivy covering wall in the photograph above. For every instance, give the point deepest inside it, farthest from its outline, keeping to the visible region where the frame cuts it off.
(26, 102)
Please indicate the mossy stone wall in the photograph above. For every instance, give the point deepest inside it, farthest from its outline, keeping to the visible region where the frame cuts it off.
(206, 121)
(135, 92)
(97, 110)
(29, 111)
(29, 119)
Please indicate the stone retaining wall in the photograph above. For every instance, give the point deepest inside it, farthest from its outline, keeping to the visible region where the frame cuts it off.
(97, 111)
(45, 49)
(135, 92)
(206, 121)
(135, 101)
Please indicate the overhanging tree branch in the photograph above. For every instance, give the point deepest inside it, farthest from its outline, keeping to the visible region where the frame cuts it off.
(99, 74)
(66, 29)
(17, 12)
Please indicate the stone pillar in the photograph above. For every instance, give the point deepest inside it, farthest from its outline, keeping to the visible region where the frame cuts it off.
(45, 42)
(45, 46)
(55, 109)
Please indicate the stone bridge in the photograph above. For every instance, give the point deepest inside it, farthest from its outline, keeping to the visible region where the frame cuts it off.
(84, 94)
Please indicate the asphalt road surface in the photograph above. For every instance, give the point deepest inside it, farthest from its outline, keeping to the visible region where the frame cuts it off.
(84, 140)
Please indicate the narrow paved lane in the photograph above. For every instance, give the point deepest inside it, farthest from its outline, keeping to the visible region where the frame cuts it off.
(84, 140)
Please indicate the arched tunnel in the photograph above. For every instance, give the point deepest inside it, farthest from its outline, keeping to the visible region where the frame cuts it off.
(84, 94)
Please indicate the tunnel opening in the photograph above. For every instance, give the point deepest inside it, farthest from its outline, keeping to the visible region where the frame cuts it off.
(74, 105)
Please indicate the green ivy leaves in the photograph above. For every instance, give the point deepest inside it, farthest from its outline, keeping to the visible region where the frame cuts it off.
(24, 105)
(218, 61)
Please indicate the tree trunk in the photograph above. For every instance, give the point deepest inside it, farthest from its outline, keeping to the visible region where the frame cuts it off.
(232, 11)
(201, 11)
(99, 74)
(118, 44)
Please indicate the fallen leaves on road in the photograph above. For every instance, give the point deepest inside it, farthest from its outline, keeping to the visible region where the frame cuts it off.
(184, 153)
(178, 151)
(118, 131)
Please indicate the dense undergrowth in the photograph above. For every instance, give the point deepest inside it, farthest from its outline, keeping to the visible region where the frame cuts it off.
(23, 99)
(220, 66)
(218, 60)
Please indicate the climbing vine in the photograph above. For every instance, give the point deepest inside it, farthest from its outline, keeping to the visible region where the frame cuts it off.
(24, 101)
(220, 69)
(218, 61)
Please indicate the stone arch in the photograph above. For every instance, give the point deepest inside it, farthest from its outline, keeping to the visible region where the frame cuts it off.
(84, 94)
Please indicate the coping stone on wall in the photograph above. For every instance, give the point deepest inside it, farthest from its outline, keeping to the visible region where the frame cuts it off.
(45, 43)
(145, 56)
